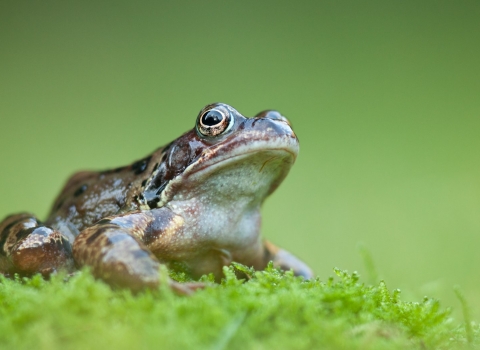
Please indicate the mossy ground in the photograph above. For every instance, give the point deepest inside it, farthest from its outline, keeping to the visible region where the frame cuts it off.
(271, 310)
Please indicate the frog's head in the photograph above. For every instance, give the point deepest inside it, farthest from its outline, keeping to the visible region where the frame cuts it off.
(226, 157)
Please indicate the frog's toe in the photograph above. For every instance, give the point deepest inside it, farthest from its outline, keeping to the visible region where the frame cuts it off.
(43, 250)
(187, 288)
(27, 246)
(286, 261)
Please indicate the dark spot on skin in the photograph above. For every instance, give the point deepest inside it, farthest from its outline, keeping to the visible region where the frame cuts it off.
(24, 233)
(144, 182)
(9, 226)
(60, 204)
(119, 169)
(94, 236)
(241, 126)
(140, 166)
(6, 232)
(103, 222)
(153, 202)
(80, 190)
(255, 122)
(161, 188)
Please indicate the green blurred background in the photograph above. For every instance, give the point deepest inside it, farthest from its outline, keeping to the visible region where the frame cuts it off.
(384, 96)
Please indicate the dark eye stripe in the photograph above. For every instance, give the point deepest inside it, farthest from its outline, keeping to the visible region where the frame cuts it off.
(140, 166)
(80, 190)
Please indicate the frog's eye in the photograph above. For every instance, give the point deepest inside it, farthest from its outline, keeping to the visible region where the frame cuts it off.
(214, 121)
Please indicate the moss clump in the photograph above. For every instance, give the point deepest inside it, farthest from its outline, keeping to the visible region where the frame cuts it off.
(271, 310)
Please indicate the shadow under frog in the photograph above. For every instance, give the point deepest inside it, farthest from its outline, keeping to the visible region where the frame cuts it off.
(194, 203)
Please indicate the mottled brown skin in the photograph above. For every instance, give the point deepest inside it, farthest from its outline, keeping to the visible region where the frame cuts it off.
(122, 222)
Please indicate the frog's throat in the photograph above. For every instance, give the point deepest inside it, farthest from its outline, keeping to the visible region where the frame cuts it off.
(208, 164)
(197, 174)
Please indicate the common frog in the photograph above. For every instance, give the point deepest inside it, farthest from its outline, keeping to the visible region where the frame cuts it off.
(193, 205)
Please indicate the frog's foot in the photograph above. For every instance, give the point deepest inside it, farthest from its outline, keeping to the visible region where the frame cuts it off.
(285, 260)
(187, 288)
(28, 247)
(117, 257)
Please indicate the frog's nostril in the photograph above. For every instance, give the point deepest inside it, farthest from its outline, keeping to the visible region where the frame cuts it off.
(276, 116)
(272, 115)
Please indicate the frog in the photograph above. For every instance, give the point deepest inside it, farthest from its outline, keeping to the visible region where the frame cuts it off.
(192, 205)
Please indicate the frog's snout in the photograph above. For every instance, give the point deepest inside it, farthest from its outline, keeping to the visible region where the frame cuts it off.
(273, 124)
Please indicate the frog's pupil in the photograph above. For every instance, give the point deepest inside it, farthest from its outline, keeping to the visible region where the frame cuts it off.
(212, 118)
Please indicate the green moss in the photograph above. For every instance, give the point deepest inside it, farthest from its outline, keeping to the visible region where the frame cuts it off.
(271, 310)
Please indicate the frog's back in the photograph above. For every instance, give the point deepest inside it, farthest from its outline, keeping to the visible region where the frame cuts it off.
(89, 196)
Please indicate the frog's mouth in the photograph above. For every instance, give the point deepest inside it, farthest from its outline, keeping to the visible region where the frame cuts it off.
(266, 150)
(274, 153)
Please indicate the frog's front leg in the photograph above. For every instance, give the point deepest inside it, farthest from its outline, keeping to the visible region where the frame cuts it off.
(285, 260)
(28, 247)
(115, 249)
